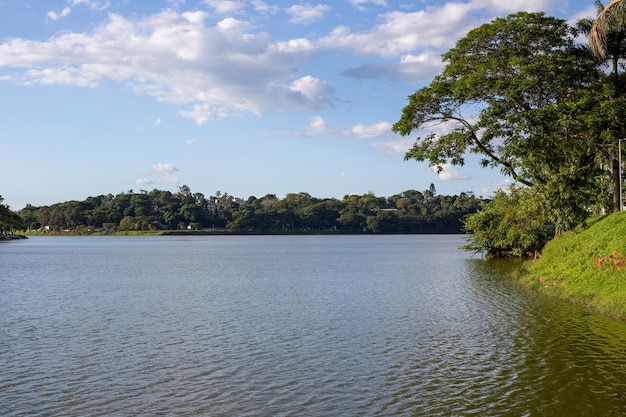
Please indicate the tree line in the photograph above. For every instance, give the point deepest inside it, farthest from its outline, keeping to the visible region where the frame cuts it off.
(548, 111)
(408, 212)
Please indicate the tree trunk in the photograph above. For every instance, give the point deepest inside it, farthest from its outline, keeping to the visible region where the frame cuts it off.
(616, 182)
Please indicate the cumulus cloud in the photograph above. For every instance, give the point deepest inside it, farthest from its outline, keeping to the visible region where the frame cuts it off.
(311, 88)
(56, 16)
(362, 4)
(449, 173)
(92, 4)
(142, 181)
(263, 7)
(401, 33)
(221, 68)
(317, 127)
(224, 6)
(512, 6)
(172, 56)
(375, 130)
(202, 113)
(399, 145)
(306, 13)
(167, 169)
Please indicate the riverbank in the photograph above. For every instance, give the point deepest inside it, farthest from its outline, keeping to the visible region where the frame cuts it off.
(214, 232)
(585, 266)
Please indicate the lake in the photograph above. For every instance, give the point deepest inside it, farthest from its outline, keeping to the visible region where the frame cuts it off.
(292, 326)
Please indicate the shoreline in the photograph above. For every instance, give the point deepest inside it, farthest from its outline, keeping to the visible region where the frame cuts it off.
(12, 237)
(223, 233)
(586, 266)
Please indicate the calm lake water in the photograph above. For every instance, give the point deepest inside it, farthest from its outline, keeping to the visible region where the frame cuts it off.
(291, 326)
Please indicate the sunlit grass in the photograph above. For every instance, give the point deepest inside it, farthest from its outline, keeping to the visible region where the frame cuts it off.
(587, 265)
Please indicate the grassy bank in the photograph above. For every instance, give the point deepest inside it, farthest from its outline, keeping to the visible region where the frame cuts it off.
(585, 266)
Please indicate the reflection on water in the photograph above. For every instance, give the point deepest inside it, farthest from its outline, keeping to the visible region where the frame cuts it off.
(342, 325)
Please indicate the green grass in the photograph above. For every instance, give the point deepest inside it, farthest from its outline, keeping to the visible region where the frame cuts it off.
(585, 266)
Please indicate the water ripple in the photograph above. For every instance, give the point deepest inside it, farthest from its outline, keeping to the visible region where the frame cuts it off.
(315, 326)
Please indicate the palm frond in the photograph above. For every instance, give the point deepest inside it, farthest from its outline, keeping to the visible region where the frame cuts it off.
(597, 34)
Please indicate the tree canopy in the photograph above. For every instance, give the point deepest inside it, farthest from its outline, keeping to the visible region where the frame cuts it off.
(498, 97)
(521, 93)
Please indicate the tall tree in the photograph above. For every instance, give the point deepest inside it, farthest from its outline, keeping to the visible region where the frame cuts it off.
(492, 95)
(506, 94)
(607, 42)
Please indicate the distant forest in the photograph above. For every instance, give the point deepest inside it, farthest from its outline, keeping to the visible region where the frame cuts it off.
(408, 212)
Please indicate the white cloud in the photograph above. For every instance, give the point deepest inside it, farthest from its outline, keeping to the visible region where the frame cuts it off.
(310, 87)
(230, 24)
(511, 6)
(222, 69)
(417, 67)
(317, 127)
(82, 77)
(55, 16)
(142, 181)
(202, 113)
(361, 4)
(218, 70)
(92, 4)
(449, 173)
(400, 145)
(167, 169)
(224, 6)
(306, 13)
(403, 33)
(372, 131)
(262, 7)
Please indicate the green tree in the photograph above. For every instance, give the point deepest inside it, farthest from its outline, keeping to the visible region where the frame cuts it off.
(494, 94)
(522, 94)
(514, 223)
(29, 214)
(383, 222)
(128, 223)
(611, 20)
(9, 220)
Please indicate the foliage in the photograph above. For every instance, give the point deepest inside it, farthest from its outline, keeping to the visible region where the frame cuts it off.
(514, 223)
(609, 107)
(9, 220)
(498, 96)
(522, 94)
(409, 212)
(586, 265)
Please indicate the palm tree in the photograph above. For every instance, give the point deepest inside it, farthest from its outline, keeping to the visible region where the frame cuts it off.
(610, 19)
(607, 42)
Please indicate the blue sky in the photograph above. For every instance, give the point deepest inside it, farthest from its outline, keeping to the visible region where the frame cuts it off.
(246, 97)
